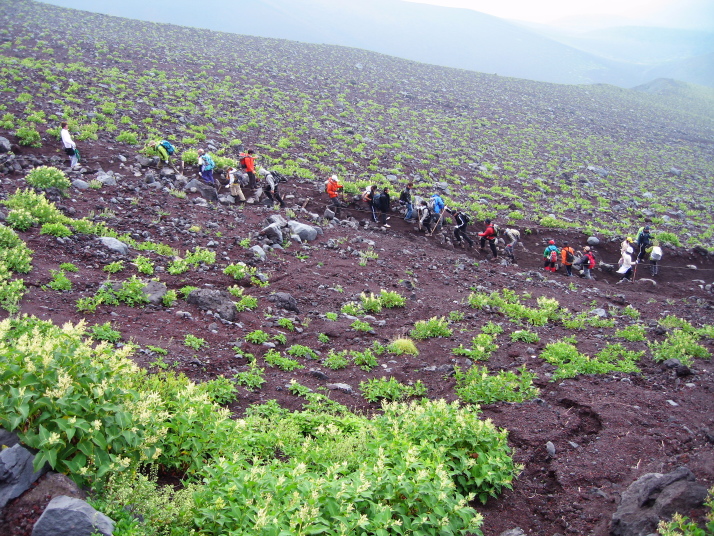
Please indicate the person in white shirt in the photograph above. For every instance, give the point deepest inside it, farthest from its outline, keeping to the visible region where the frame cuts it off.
(234, 183)
(70, 148)
(626, 266)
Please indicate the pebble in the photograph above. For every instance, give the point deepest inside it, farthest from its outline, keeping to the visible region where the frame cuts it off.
(550, 448)
(672, 403)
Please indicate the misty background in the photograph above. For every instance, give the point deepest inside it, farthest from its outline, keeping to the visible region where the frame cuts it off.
(576, 51)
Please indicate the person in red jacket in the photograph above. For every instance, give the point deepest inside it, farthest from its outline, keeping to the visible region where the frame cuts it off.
(247, 162)
(489, 235)
(333, 188)
(587, 262)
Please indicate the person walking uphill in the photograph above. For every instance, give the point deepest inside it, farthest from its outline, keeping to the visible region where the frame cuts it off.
(462, 220)
(489, 235)
(271, 187)
(550, 256)
(436, 205)
(384, 205)
(405, 198)
(644, 240)
(626, 265)
(333, 188)
(368, 197)
(70, 148)
(587, 262)
(567, 257)
(247, 163)
(207, 165)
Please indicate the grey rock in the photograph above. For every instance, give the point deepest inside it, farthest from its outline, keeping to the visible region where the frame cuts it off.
(284, 301)
(275, 219)
(7, 439)
(5, 146)
(340, 387)
(513, 532)
(114, 244)
(273, 232)
(655, 496)
(145, 161)
(80, 184)
(593, 241)
(304, 231)
(226, 199)
(206, 191)
(106, 179)
(676, 365)
(67, 516)
(258, 252)
(219, 301)
(602, 313)
(601, 171)
(550, 448)
(155, 291)
(16, 472)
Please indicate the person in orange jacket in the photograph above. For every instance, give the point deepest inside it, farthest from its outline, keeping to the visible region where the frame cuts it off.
(567, 257)
(247, 162)
(333, 188)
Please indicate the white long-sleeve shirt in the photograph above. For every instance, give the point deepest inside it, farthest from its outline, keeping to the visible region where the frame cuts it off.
(67, 139)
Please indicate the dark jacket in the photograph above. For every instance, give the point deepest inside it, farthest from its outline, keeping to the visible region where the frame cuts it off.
(384, 201)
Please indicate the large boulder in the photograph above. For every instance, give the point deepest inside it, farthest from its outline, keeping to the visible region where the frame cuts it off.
(67, 516)
(655, 496)
(283, 300)
(5, 146)
(273, 232)
(219, 301)
(307, 233)
(206, 191)
(593, 241)
(16, 472)
(155, 291)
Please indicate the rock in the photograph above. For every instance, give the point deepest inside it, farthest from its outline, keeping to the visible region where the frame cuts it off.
(275, 219)
(8, 439)
(219, 301)
(5, 146)
(155, 291)
(114, 244)
(655, 496)
(691, 267)
(513, 532)
(80, 184)
(285, 301)
(16, 472)
(602, 313)
(593, 241)
(273, 232)
(675, 172)
(550, 448)
(305, 232)
(319, 375)
(106, 179)
(340, 387)
(226, 199)
(67, 516)
(206, 191)
(258, 252)
(676, 365)
(602, 172)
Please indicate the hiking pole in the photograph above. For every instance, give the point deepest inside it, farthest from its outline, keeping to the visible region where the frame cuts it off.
(634, 272)
(443, 211)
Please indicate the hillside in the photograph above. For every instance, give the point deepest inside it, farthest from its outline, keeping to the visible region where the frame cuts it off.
(561, 162)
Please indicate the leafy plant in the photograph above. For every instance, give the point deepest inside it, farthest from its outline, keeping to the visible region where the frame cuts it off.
(477, 386)
(390, 389)
(144, 265)
(679, 345)
(105, 332)
(336, 360)
(273, 358)
(361, 325)
(434, 327)
(390, 299)
(45, 177)
(59, 281)
(370, 304)
(257, 337)
(402, 346)
(114, 267)
(194, 342)
(253, 378)
(365, 360)
(299, 350)
(525, 336)
(482, 346)
(286, 323)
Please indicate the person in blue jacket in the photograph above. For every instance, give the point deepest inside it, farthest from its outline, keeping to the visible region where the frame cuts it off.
(550, 256)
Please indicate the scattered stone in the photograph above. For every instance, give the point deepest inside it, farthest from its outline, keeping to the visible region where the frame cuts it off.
(80, 184)
(306, 233)
(114, 244)
(154, 291)
(67, 516)
(550, 448)
(285, 301)
(319, 375)
(593, 241)
(5, 146)
(602, 313)
(655, 496)
(206, 191)
(340, 387)
(259, 252)
(513, 532)
(672, 403)
(219, 301)
(16, 472)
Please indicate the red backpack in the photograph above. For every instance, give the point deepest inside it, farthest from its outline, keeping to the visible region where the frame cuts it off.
(554, 256)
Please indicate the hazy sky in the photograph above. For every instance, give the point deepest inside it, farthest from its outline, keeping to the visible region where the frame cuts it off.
(671, 13)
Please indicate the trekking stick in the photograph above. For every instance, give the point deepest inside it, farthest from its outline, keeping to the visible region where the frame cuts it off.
(443, 211)
(634, 273)
(306, 202)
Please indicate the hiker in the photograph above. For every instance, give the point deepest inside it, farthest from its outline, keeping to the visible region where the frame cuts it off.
(567, 256)
(247, 164)
(587, 262)
(234, 183)
(644, 240)
(462, 220)
(424, 216)
(368, 197)
(550, 256)
(332, 191)
(626, 243)
(70, 148)
(512, 237)
(207, 165)
(489, 235)
(436, 206)
(626, 265)
(271, 187)
(405, 198)
(383, 203)
(165, 150)
(655, 253)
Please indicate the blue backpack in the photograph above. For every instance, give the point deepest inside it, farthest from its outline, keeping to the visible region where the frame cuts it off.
(169, 148)
(208, 162)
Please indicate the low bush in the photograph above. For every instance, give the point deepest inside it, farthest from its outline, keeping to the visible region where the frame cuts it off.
(44, 177)
(477, 386)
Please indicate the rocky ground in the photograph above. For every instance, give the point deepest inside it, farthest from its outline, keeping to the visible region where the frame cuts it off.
(606, 430)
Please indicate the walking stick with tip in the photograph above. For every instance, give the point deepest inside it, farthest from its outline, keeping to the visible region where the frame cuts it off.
(443, 211)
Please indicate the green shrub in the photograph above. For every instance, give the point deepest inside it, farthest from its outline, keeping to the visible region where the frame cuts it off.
(525, 336)
(679, 345)
(402, 346)
(55, 229)
(220, 390)
(434, 327)
(194, 342)
(47, 177)
(59, 281)
(390, 299)
(29, 136)
(273, 358)
(257, 337)
(253, 378)
(570, 362)
(14, 253)
(365, 360)
(128, 137)
(299, 350)
(336, 360)
(371, 303)
(389, 389)
(669, 238)
(105, 332)
(477, 386)
(482, 346)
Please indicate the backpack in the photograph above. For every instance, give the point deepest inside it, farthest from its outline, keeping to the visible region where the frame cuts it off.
(241, 161)
(496, 230)
(280, 178)
(207, 161)
(554, 256)
(465, 218)
(569, 257)
(170, 149)
(365, 194)
(656, 253)
(404, 197)
(375, 199)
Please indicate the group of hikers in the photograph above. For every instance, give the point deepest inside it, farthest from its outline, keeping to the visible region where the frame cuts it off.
(427, 213)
